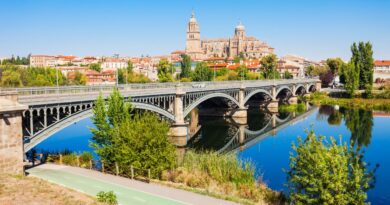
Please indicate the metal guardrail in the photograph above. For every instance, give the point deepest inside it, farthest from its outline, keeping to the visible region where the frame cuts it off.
(187, 86)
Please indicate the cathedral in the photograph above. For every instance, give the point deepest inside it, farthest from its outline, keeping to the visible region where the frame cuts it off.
(199, 49)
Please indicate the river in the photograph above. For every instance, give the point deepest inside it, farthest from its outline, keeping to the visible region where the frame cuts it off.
(269, 150)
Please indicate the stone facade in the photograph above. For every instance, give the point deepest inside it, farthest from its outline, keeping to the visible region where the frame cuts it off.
(198, 49)
(11, 136)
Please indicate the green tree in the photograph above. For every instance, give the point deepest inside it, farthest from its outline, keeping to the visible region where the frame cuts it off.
(351, 75)
(240, 57)
(130, 67)
(122, 75)
(287, 75)
(202, 72)
(324, 172)
(185, 65)
(10, 78)
(334, 65)
(96, 67)
(138, 140)
(80, 78)
(268, 66)
(362, 58)
(165, 71)
(242, 72)
(107, 117)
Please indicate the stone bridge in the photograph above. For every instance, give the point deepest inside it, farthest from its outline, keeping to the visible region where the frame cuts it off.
(50, 109)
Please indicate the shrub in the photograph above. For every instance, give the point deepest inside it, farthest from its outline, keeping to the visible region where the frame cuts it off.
(70, 159)
(107, 197)
(323, 172)
(222, 168)
(85, 158)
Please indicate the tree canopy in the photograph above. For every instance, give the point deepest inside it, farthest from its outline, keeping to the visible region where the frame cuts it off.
(165, 71)
(269, 65)
(185, 65)
(324, 172)
(138, 140)
(202, 72)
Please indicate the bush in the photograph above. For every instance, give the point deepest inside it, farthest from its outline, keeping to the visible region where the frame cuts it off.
(138, 140)
(85, 158)
(324, 172)
(70, 159)
(222, 168)
(107, 197)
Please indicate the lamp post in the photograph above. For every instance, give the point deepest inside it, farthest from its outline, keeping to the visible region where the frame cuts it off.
(56, 75)
(214, 71)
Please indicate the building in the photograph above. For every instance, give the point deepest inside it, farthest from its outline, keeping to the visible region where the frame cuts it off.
(381, 70)
(41, 60)
(50, 61)
(382, 66)
(113, 64)
(199, 49)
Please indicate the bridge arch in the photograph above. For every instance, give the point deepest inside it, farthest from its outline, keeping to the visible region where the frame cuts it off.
(80, 115)
(280, 89)
(206, 97)
(300, 87)
(257, 91)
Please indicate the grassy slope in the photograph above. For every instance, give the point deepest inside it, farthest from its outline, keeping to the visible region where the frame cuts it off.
(17, 189)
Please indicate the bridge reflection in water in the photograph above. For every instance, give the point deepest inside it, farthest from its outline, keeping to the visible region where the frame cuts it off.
(227, 135)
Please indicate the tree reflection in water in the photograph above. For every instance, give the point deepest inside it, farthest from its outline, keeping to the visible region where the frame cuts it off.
(360, 123)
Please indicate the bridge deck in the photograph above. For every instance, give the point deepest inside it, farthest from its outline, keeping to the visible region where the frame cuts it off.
(43, 95)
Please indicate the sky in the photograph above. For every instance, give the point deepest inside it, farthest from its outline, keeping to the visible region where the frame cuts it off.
(315, 29)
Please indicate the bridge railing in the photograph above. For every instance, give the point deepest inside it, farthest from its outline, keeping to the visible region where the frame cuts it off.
(187, 86)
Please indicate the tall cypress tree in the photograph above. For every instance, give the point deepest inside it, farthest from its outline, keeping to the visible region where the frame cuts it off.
(185, 66)
(362, 59)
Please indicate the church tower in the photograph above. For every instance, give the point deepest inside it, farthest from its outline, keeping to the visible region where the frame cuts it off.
(193, 43)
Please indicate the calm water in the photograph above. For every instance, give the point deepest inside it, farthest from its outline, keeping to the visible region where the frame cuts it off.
(270, 151)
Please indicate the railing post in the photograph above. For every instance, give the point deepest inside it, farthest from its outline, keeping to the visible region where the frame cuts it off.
(149, 174)
(102, 167)
(90, 164)
(116, 168)
(61, 159)
(78, 161)
(132, 171)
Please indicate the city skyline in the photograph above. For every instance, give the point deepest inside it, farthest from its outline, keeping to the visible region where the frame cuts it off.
(315, 30)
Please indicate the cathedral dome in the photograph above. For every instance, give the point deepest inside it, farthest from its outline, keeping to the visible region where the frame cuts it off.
(240, 27)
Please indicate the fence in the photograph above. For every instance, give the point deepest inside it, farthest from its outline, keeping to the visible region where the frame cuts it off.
(129, 171)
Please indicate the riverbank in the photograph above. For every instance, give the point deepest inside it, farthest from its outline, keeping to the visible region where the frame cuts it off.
(320, 98)
(18, 189)
(207, 173)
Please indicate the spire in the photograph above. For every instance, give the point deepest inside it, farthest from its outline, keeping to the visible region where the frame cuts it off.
(193, 18)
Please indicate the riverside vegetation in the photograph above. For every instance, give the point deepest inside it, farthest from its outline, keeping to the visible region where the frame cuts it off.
(325, 172)
(360, 103)
(131, 139)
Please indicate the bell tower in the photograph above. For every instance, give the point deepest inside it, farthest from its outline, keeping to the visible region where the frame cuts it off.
(193, 43)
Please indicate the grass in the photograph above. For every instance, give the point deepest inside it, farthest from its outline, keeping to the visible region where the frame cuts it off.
(300, 108)
(358, 103)
(18, 189)
(221, 176)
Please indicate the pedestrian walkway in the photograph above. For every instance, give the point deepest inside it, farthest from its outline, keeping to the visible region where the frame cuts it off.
(128, 191)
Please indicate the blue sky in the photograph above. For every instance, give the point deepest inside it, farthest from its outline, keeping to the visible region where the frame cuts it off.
(316, 29)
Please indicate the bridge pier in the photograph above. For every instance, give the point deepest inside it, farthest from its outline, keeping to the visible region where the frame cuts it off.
(273, 106)
(293, 100)
(241, 112)
(11, 134)
(241, 136)
(179, 129)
